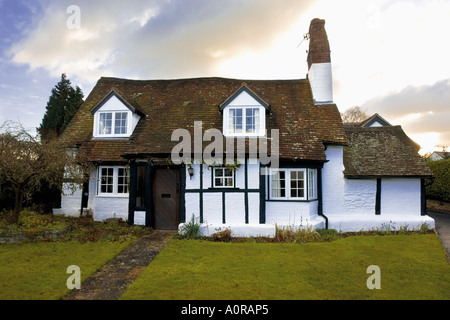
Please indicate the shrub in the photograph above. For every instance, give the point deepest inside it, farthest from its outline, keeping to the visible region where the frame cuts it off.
(191, 229)
(297, 235)
(439, 189)
(222, 236)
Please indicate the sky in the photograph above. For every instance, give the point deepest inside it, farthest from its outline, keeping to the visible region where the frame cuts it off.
(388, 57)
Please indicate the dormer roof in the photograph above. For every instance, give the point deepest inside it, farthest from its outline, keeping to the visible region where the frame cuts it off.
(129, 103)
(244, 88)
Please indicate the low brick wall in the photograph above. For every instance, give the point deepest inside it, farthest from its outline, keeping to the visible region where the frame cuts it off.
(14, 237)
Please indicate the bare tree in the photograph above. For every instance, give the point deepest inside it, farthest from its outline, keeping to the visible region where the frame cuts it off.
(354, 115)
(25, 162)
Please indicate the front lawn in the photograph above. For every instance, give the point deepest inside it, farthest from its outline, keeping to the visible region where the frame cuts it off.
(411, 267)
(31, 271)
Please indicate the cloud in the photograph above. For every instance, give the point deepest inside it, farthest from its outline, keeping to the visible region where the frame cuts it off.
(152, 39)
(420, 109)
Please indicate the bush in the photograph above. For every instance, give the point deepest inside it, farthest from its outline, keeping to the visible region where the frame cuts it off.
(297, 235)
(439, 189)
(222, 236)
(191, 229)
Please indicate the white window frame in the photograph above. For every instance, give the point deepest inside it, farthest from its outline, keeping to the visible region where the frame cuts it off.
(115, 181)
(114, 116)
(312, 184)
(309, 178)
(260, 128)
(223, 177)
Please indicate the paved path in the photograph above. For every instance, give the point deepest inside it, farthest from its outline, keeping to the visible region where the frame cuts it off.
(113, 278)
(442, 221)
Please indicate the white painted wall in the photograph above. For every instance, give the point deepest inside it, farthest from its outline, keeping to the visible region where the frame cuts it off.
(110, 207)
(360, 196)
(70, 201)
(400, 196)
(212, 208)
(321, 80)
(400, 206)
(235, 208)
(194, 181)
(290, 213)
(333, 181)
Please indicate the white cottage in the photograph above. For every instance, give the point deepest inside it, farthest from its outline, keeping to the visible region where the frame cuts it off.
(242, 154)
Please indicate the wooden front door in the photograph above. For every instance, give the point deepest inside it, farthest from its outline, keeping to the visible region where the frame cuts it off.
(166, 198)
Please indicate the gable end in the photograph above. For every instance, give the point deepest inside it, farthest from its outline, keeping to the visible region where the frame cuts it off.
(250, 92)
(114, 93)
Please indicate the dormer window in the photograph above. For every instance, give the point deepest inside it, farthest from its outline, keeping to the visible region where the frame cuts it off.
(244, 120)
(113, 123)
(115, 117)
(244, 114)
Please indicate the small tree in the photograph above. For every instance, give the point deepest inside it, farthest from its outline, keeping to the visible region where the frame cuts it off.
(62, 105)
(354, 115)
(26, 162)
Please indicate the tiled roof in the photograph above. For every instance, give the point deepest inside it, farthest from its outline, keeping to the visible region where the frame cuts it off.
(382, 152)
(176, 104)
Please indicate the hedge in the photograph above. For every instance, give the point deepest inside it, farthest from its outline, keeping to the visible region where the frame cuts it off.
(440, 188)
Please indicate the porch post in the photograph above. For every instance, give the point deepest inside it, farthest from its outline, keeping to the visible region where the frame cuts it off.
(148, 195)
(132, 196)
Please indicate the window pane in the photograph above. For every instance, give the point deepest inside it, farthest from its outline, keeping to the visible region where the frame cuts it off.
(235, 121)
(228, 182)
(219, 172)
(122, 180)
(297, 184)
(279, 184)
(107, 179)
(120, 125)
(312, 174)
(228, 173)
(223, 177)
(105, 123)
(251, 120)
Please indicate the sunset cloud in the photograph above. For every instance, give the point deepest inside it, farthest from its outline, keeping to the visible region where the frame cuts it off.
(388, 57)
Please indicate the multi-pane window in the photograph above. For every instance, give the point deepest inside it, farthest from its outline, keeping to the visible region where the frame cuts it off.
(121, 123)
(223, 178)
(122, 180)
(105, 125)
(297, 184)
(293, 184)
(114, 180)
(252, 120)
(312, 188)
(235, 121)
(244, 120)
(278, 184)
(107, 180)
(113, 123)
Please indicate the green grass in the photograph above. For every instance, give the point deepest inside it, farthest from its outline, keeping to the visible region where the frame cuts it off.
(31, 271)
(412, 267)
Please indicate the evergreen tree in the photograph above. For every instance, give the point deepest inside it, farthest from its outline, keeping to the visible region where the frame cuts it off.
(63, 103)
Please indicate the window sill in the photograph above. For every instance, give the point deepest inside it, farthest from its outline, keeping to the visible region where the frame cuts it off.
(112, 195)
(110, 137)
(291, 200)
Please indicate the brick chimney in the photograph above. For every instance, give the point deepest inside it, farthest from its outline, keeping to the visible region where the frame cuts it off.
(319, 63)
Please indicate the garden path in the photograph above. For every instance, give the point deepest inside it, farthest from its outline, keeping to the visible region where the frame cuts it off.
(113, 278)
